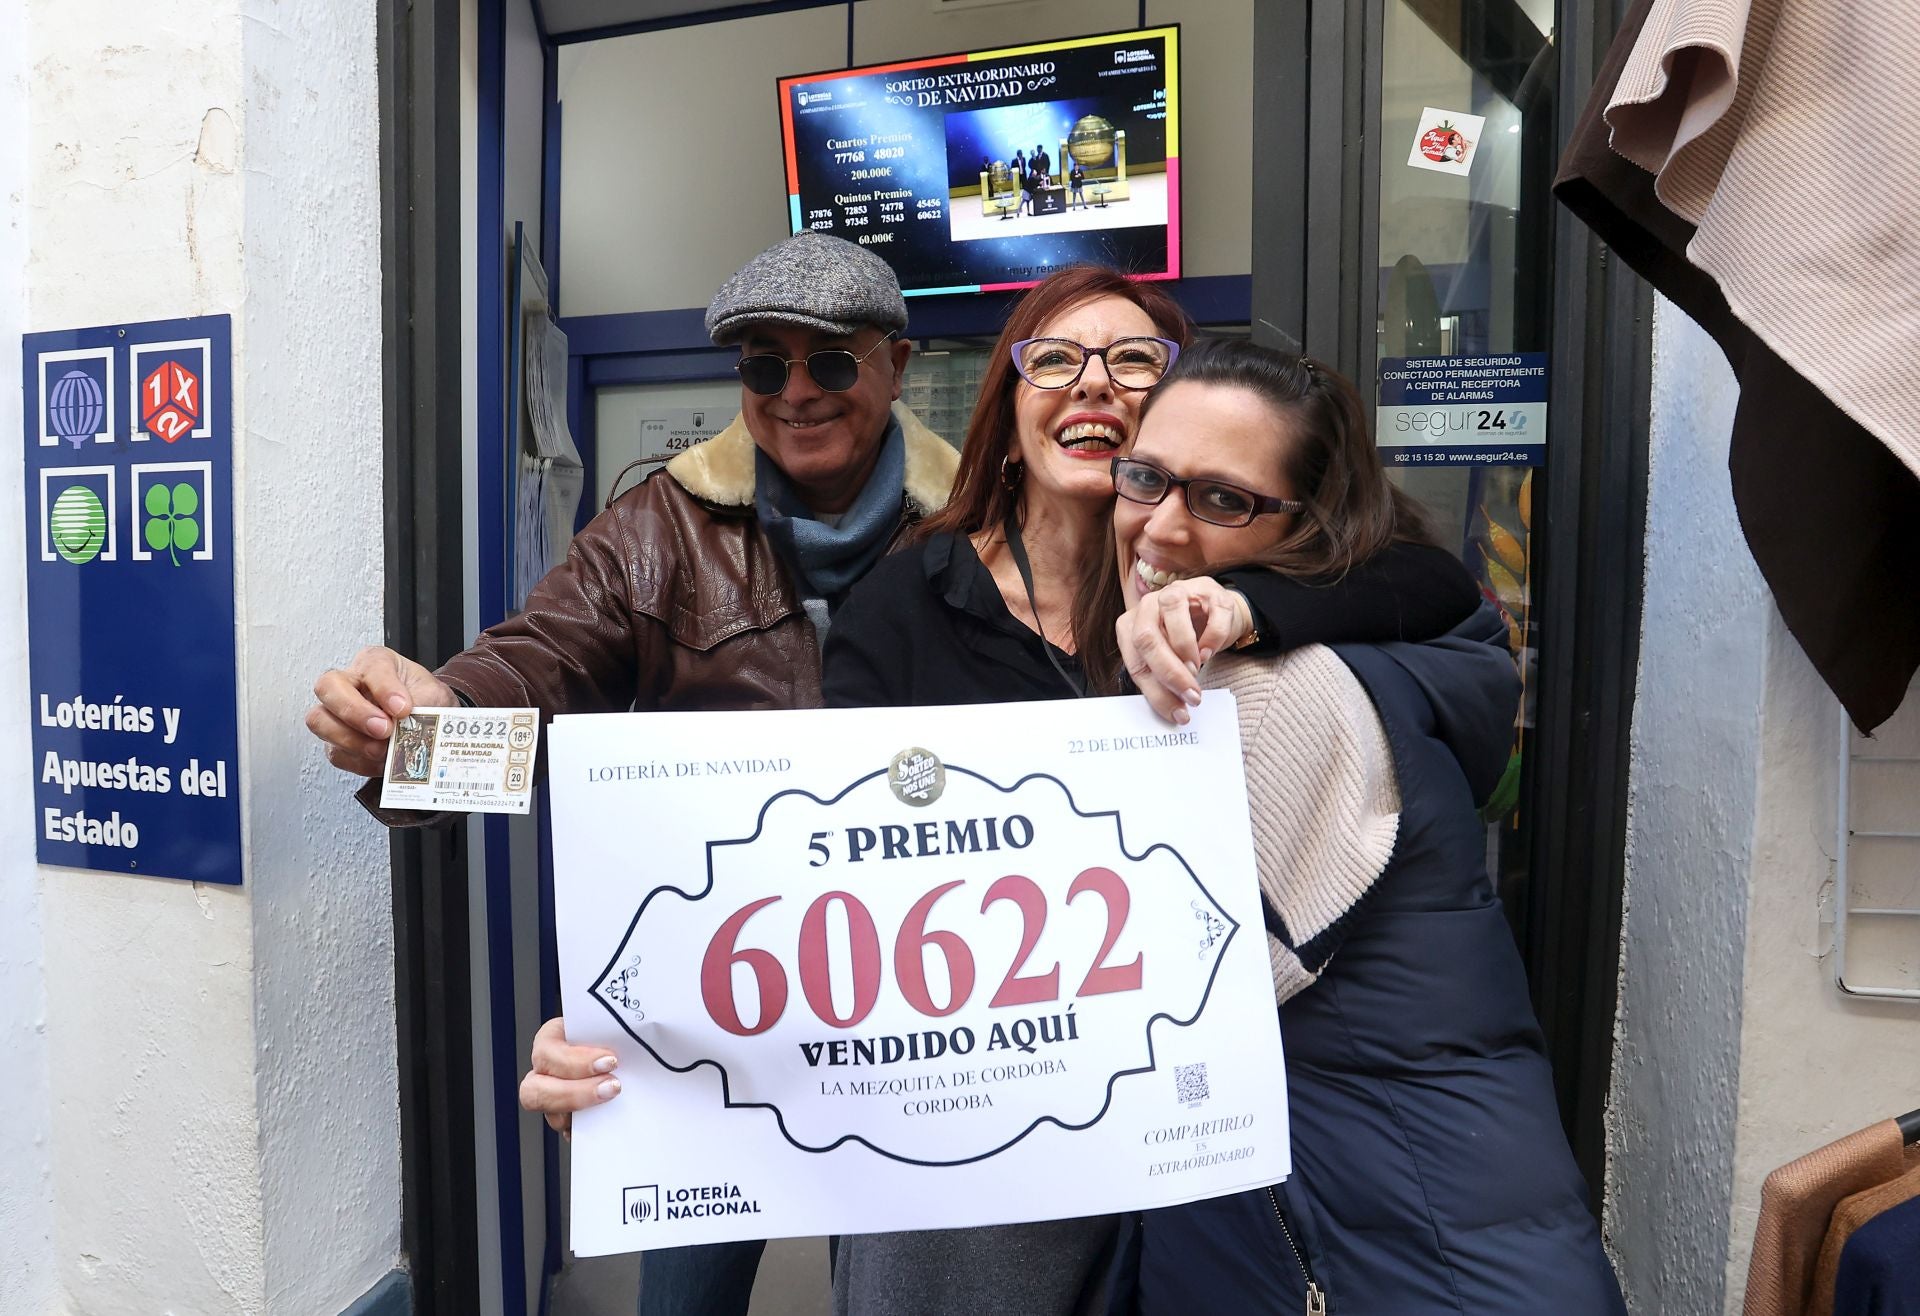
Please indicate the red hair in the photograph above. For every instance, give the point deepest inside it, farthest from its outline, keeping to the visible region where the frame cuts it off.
(981, 499)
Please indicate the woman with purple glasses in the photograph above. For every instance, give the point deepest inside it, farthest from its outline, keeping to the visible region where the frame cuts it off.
(980, 609)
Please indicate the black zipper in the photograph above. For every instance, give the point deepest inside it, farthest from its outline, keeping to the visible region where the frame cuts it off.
(1316, 1300)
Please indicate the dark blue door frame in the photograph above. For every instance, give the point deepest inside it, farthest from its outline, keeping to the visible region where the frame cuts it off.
(494, 470)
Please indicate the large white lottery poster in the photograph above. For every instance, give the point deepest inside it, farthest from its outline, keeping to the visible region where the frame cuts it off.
(885, 969)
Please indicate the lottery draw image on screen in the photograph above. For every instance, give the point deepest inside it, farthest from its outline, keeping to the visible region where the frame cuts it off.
(985, 171)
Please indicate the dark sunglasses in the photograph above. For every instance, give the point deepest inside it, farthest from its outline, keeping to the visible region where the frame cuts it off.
(834, 369)
(1214, 501)
(1132, 363)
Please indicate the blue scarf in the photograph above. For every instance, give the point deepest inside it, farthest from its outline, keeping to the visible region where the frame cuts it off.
(827, 560)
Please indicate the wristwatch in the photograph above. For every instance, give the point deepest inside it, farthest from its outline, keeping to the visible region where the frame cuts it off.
(1252, 637)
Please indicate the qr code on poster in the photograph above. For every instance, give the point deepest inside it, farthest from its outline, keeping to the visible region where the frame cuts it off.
(1190, 1083)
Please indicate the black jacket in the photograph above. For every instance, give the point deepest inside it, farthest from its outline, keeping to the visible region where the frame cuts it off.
(1430, 1171)
(928, 625)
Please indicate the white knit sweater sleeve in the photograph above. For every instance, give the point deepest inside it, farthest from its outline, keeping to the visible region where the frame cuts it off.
(1322, 795)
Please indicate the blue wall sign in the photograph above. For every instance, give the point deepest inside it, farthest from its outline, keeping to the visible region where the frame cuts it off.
(129, 456)
(1463, 410)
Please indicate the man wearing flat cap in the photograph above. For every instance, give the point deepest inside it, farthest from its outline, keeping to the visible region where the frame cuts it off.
(708, 585)
(661, 602)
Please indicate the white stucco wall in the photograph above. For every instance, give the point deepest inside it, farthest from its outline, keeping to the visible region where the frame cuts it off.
(224, 1140)
(1815, 1064)
(135, 206)
(1690, 844)
(310, 540)
(638, 118)
(1735, 1052)
(27, 1270)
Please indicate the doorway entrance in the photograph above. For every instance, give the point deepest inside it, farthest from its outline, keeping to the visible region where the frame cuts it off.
(1309, 226)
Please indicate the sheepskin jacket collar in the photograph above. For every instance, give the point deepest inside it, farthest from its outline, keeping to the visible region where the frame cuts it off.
(720, 470)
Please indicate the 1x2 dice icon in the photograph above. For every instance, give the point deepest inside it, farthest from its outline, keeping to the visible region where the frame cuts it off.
(170, 403)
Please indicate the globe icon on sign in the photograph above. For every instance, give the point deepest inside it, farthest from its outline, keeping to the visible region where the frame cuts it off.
(76, 406)
(1091, 141)
(78, 523)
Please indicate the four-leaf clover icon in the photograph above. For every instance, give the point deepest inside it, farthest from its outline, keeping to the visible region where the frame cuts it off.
(171, 524)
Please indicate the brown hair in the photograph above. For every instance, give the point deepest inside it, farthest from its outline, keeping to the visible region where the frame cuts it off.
(1353, 511)
(981, 499)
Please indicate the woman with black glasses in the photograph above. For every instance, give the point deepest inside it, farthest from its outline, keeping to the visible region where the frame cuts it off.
(1430, 1172)
(981, 609)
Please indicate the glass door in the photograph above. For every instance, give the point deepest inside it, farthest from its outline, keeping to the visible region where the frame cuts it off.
(1465, 294)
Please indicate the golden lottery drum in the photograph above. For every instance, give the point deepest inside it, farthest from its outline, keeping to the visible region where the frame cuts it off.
(1091, 141)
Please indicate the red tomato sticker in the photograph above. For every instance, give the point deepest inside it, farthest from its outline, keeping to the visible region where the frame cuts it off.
(1442, 143)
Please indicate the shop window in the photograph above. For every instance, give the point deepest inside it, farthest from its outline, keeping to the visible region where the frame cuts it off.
(942, 382)
(1464, 262)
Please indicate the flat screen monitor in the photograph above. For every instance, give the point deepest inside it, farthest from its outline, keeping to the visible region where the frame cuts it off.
(989, 170)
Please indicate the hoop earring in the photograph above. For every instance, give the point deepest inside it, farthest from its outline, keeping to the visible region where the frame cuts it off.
(1011, 472)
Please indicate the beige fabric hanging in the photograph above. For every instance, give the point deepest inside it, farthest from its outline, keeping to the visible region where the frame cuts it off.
(1829, 505)
(1680, 101)
(1783, 130)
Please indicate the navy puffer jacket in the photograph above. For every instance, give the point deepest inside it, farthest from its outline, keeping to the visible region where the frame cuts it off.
(1430, 1171)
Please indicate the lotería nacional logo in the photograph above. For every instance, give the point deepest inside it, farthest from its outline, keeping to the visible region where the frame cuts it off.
(917, 777)
(640, 1205)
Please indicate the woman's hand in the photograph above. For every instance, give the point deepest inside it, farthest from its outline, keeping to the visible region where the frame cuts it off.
(1166, 636)
(566, 1078)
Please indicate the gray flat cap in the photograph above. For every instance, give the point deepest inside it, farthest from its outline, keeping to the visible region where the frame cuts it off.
(811, 279)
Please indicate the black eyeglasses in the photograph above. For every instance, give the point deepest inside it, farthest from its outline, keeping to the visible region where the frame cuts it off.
(1214, 501)
(834, 369)
(1132, 363)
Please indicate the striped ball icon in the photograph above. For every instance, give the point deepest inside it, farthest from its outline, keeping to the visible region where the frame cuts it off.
(79, 524)
(76, 406)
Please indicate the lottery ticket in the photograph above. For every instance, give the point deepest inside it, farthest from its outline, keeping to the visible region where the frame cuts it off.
(467, 760)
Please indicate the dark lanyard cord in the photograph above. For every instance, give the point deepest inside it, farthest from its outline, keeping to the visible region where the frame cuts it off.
(1019, 551)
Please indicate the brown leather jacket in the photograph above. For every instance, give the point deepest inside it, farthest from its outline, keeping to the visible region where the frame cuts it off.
(670, 599)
